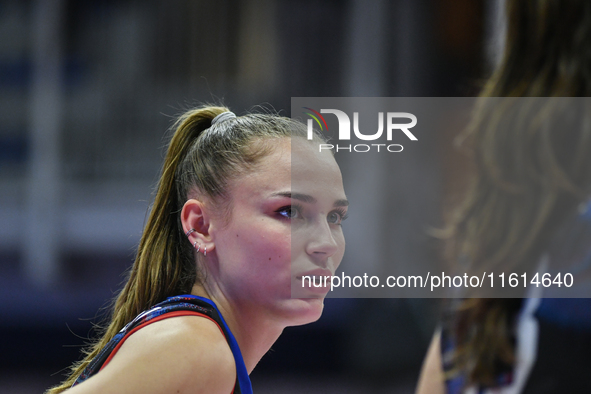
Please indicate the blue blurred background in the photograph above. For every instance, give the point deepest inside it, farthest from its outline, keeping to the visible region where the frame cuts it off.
(87, 92)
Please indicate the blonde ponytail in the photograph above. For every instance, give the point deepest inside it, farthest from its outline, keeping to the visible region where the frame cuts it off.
(161, 268)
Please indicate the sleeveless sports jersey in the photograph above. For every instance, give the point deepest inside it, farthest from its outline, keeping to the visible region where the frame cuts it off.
(184, 305)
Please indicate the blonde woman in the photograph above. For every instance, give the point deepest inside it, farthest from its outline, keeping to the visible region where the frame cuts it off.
(229, 234)
(528, 206)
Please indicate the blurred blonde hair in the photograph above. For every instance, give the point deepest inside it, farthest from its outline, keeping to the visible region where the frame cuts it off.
(529, 175)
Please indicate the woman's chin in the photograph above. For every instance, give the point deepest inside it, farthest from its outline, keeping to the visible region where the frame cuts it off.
(304, 310)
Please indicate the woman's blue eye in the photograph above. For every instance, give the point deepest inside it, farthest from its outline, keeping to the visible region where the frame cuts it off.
(336, 217)
(289, 212)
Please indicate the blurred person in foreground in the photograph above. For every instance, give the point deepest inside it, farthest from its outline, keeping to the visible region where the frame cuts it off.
(527, 208)
(227, 238)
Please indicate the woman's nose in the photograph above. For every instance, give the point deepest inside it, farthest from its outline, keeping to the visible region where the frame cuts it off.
(322, 243)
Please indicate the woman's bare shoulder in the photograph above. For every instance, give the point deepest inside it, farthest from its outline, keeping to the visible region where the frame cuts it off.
(431, 380)
(185, 354)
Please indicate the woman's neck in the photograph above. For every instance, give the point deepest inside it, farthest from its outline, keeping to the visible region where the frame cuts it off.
(254, 332)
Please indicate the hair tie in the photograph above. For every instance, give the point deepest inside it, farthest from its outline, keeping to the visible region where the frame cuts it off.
(223, 117)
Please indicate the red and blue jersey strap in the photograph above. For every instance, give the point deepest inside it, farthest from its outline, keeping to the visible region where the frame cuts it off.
(183, 305)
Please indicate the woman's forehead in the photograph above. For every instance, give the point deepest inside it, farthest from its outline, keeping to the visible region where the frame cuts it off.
(292, 165)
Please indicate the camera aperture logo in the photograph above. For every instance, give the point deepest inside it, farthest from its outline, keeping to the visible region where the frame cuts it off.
(344, 133)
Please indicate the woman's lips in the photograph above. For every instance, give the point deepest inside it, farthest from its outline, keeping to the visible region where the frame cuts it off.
(316, 281)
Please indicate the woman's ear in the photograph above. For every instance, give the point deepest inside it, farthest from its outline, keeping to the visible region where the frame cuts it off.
(195, 221)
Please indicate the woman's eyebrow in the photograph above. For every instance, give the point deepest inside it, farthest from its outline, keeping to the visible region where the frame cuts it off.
(309, 199)
(297, 196)
(341, 203)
